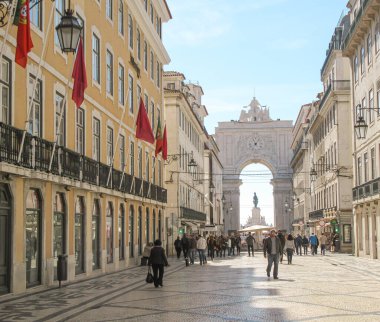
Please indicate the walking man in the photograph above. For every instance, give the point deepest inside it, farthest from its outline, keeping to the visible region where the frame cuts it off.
(313, 244)
(185, 246)
(322, 241)
(193, 249)
(201, 246)
(178, 247)
(298, 243)
(272, 249)
(250, 242)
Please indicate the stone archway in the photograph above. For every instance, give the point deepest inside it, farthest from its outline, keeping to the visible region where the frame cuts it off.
(256, 138)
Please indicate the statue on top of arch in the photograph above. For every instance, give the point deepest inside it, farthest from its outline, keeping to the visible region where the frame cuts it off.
(256, 113)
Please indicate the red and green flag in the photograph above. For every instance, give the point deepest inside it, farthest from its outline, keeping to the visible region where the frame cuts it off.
(24, 40)
(159, 138)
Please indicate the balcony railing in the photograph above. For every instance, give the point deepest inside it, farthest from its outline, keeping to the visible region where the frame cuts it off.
(356, 21)
(190, 214)
(67, 163)
(336, 85)
(367, 189)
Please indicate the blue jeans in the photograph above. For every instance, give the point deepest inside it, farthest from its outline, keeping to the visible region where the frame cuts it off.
(202, 256)
(273, 259)
(192, 255)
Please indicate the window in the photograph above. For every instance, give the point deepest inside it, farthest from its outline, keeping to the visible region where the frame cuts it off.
(151, 65)
(122, 152)
(59, 229)
(121, 84)
(132, 158)
(146, 5)
(131, 234)
(60, 128)
(153, 118)
(121, 230)
(36, 14)
(79, 234)
(130, 31)
(109, 232)
(359, 176)
(109, 63)
(130, 93)
(59, 11)
(109, 145)
(371, 106)
(362, 60)
(139, 161)
(365, 167)
(373, 164)
(377, 38)
(95, 234)
(158, 74)
(153, 170)
(356, 68)
(147, 172)
(378, 100)
(145, 56)
(146, 102)
(369, 49)
(5, 88)
(138, 91)
(121, 18)
(96, 139)
(79, 144)
(35, 117)
(109, 4)
(138, 40)
(95, 59)
(159, 173)
(151, 12)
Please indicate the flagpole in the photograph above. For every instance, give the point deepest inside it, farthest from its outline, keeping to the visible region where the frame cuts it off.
(6, 34)
(45, 43)
(59, 125)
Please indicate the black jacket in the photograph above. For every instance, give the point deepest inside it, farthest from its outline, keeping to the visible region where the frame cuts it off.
(267, 243)
(157, 256)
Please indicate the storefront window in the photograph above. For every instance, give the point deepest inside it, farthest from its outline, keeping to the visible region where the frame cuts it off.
(121, 229)
(109, 232)
(79, 235)
(346, 234)
(139, 231)
(154, 225)
(95, 235)
(59, 237)
(131, 234)
(33, 238)
(147, 225)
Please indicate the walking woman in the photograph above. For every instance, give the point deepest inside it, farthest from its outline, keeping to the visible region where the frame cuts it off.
(158, 260)
(289, 246)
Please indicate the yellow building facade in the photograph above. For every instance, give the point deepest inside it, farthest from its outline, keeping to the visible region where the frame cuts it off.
(100, 198)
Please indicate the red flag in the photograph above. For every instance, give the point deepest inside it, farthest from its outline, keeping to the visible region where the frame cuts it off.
(24, 40)
(79, 75)
(165, 145)
(143, 128)
(159, 138)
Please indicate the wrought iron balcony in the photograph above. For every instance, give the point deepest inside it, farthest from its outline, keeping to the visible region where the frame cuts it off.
(367, 189)
(190, 214)
(37, 153)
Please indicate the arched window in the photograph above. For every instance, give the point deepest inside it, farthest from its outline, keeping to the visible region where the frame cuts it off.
(109, 232)
(33, 231)
(95, 233)
(147, 223)
(154, 225)
(121, 230)
(59, 229)
(5, 238)
(131, 234)
(139, 231)
(79, 235)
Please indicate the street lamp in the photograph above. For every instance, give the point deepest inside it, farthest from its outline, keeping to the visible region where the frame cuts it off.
(313, 174)
(360, 128)
(68, 31)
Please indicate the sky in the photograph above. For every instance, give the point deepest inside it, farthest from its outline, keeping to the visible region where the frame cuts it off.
(238, 49)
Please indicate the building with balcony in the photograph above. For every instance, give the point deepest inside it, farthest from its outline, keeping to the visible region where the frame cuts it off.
(84, 187)
(188, 177)
(300, 165)
(331, 146)
(362, 48)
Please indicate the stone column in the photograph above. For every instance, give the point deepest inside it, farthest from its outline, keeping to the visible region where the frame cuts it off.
(282, 192)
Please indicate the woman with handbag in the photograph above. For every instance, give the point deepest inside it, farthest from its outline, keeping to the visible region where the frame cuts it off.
(158, 260)
(289, 246)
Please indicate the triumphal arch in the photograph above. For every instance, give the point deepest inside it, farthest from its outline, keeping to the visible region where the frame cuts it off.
(255, 138)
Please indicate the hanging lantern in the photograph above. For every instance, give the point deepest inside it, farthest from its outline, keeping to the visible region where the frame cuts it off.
(68, 31)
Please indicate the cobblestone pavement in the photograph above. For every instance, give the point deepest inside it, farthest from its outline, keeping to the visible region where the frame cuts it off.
(335, 287)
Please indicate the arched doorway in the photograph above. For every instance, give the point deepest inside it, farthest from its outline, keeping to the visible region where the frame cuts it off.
(79, 234)
(109, 232)
(5, 237)
(59, 229)
(256, 138)
(33, 237)
(95, 235)
(131, 231)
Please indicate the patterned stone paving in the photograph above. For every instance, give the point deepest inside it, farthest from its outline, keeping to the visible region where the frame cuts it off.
(336, 287)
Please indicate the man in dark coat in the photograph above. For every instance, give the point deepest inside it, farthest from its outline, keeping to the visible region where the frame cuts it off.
(272, 250)
(178, 247)
(250, 241)
(158, 260)
(281, 236)
(185, 246)
(298, 243)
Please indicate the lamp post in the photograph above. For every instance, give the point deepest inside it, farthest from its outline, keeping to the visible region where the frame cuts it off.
(361, 126)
